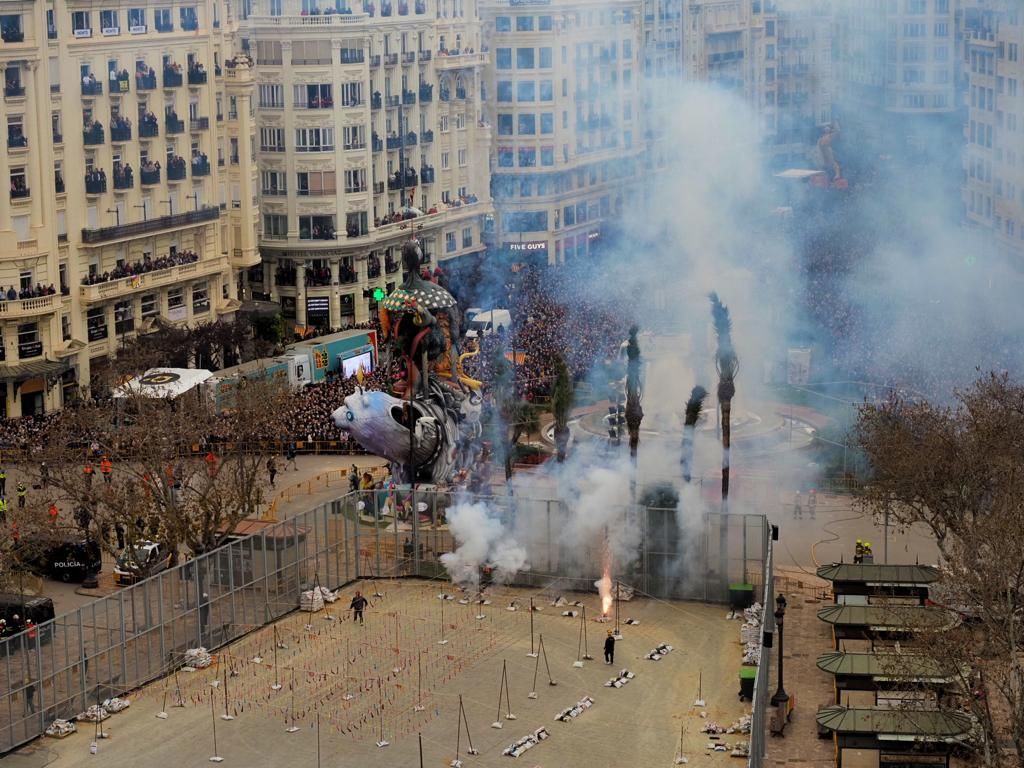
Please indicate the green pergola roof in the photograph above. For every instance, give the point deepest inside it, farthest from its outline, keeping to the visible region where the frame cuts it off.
(884, 617)
(896, 666)
(927, 725)
(890, 575)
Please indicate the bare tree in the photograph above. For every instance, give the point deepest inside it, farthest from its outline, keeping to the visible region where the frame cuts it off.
(959, 471)
(694, 407)
(561, 405)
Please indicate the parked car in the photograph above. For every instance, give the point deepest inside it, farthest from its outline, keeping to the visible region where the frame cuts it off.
(16, 611)
(141, 561)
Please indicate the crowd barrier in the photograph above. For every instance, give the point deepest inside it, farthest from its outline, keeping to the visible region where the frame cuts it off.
(118, 643)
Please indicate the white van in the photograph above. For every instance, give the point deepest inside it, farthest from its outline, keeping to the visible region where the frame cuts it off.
(487, 323)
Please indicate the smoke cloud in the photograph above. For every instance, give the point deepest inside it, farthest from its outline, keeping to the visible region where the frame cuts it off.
(482, 540)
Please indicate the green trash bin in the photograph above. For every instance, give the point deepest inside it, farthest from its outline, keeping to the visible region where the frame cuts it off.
(741, 596)
(747, 677)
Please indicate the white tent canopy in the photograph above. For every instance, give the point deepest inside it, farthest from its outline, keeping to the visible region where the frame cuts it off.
(163, 382)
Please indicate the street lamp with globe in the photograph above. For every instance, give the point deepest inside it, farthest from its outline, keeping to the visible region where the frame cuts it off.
(780, 697)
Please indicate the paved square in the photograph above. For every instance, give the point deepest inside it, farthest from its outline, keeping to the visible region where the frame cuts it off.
(365, 681)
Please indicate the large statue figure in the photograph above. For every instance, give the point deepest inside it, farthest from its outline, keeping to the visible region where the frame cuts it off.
(430, 425)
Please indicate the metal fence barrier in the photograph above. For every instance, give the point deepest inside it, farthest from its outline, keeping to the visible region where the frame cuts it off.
(121, 642)
(759, 704)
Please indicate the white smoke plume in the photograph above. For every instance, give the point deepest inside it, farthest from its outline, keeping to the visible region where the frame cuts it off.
(482, 540)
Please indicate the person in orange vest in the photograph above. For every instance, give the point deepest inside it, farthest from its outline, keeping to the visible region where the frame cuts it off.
(88, 471)
(212, 463)
(54, 512)
(15, 536)
(30, 629)
(107, 468)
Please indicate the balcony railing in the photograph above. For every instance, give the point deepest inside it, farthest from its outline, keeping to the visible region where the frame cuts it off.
(121, 133)
(408, 98)
(58, 184)
(424, 55)
(17, 308)
(145, 82)
(176, 171)
(94, 136)
(409, 57)
(93, 236)
(375, 101)
(151, 176)
(14, 91)
(201, 169)
(124, 180)
(426, 92)
(175, 125)
(390, 59)
(172, 79)
(196, 77)
(94, 88)
(149, 130)
(95, 186)
(375, 60)
(198, 124)
(427, 137)
(147, 281)
(20, 193)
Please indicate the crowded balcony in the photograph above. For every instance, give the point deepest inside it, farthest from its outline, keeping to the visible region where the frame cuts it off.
(286, 276)
(93, 134)
(173, 124)
(410, 139)
(19, 190)
(427, 137)
(317, 228)
(147, 274)
(95, 182)
(124, 177)
(145, 80)
(395, 180)
(176, 168)
(196, 75)
(121, 82)
(427, 176)
(91, 86)
(426, 92)
(172, 75)
(120, 129)
(11, 309)
(347, 275)
(318, 276)
(372, 268)
(408, 97)
(149, 127)
(200, 165)
(150, 173)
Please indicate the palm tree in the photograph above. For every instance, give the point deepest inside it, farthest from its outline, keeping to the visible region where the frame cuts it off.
(728, 366)
(694, 406)
(561, 404)
(634, 413)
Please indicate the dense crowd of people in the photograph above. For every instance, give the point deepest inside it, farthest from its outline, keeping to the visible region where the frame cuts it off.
(148, 264)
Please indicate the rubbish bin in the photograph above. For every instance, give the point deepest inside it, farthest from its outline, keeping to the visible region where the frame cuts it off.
(747, 677)
(741, 596)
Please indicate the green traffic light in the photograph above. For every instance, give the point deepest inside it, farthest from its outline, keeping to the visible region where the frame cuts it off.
(378, 294)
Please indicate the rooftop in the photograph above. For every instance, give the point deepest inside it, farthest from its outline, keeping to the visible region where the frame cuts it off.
(896, 666)
(928, 725)
(883, 617)
(887, 575)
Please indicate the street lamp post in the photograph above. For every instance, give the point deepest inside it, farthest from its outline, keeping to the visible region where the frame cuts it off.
(117, 214)
(780, 697)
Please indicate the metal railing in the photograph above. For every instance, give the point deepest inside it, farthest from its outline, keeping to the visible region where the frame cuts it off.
(103, 234)
(123, 641)
(759, 704)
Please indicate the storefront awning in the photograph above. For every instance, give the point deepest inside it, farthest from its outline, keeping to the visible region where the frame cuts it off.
(926, 725)
(890, 666)
(890, 575)
(36, 369)
(907, 618)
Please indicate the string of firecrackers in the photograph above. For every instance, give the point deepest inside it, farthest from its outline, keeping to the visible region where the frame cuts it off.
(322, 686)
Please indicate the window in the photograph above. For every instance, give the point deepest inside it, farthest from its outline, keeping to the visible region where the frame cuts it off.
(527, 157)
(504, 124)
(546, 91)
(463, 158)
(450, 244)
(526, 221)
(271, 140)
(527, 124)
(314, 139)
(467, 237)
(525, 90)
(503, 24)
(545, 58)
(149, 305)
(318, 96)
(29, 344)
(460, 121)
(65, 327)
(275, 225)
(268, 52)
(351, 94)
(355, 180)
(136, 20)
(524, 23)
(942, 29)
(81, 23)
(311, 52)
(354, 136)
(915, 6)
(547, 122)
(275, 7)
(273, 183)
(316, 227)
(504, 91)
(175, 298)
(503, 58)
(200, 298)
(271, 96)
(445, 161)
(109, 23)
(524, 58)
(124, 317)
(315, 183)
(547, 156)
(544, 23)
(443, 123)
(506, 157)
(162, 20)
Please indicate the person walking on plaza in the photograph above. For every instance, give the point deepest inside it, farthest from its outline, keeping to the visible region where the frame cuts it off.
(106, 469)
(30, 696)
(22, 494)
(271, 470)
(88, 471)
(812, 502)
(3, 510)
(44, 475)
(798, 508)
(357, 606)
(609, 648)
(353, 478)
(54, 513)
(3, 481)
(289, 455)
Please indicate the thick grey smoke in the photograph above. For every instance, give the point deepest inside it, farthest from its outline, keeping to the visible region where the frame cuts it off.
(481, 540)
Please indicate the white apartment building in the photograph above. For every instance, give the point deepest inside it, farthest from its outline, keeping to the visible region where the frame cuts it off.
(563, 85)
(124, 207)
(370, 131)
